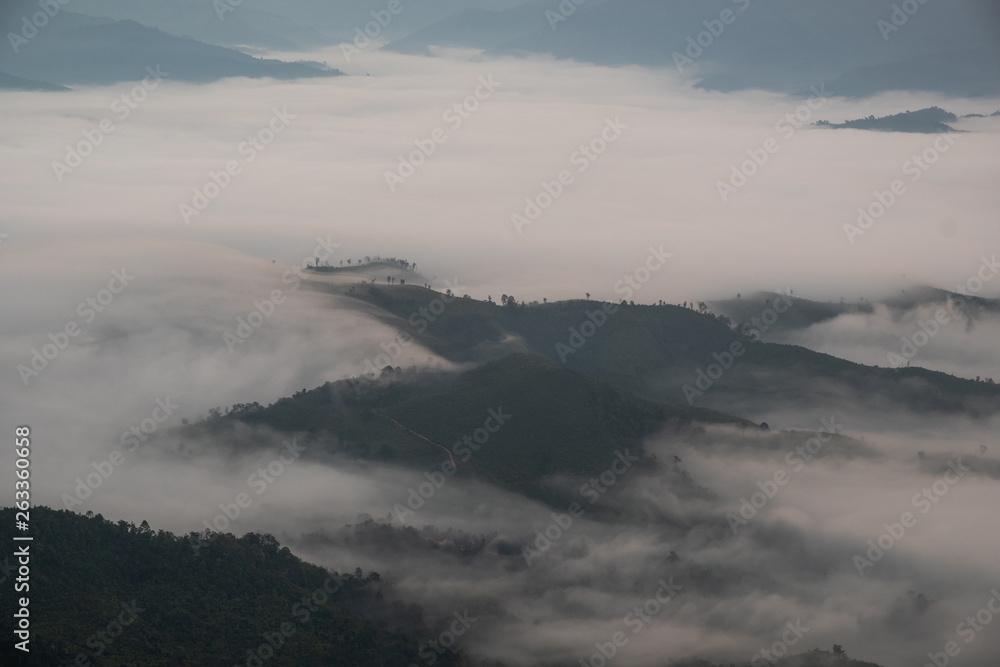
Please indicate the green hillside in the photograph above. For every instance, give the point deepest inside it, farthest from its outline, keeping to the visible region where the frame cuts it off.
(807, 313)
(545, 419)
(560, 421)
(104, 593)
(655, 350)
(161, 602)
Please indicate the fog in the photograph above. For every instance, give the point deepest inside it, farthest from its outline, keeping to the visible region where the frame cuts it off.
(656, 184)
(320, 189)
(963, 345)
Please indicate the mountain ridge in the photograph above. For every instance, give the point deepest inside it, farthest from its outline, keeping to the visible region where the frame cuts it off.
(73, 49)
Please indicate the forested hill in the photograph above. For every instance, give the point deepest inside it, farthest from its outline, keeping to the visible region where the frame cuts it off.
(654, 351)
(174, 602)
(116, 595)
(544, 418)
(930, 120)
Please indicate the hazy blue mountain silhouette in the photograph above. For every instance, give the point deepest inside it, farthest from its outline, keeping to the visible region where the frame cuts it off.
(783, 45)
(75, 49)
(11, 82)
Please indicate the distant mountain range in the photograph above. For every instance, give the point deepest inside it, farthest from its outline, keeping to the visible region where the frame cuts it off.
(208, 598)
(551, 420)
(808, 313)
(580, 386)
(855, 47)
(72, 49)
(292, 25)
(783, 45)
(654, 351)
(223, 23)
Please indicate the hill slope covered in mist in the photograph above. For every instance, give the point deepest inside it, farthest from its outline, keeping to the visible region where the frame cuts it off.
(121, 595)
(663, 353)
(530, 419)
(208, 606)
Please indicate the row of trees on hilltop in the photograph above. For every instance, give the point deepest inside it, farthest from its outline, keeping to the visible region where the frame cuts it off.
(371, 260)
